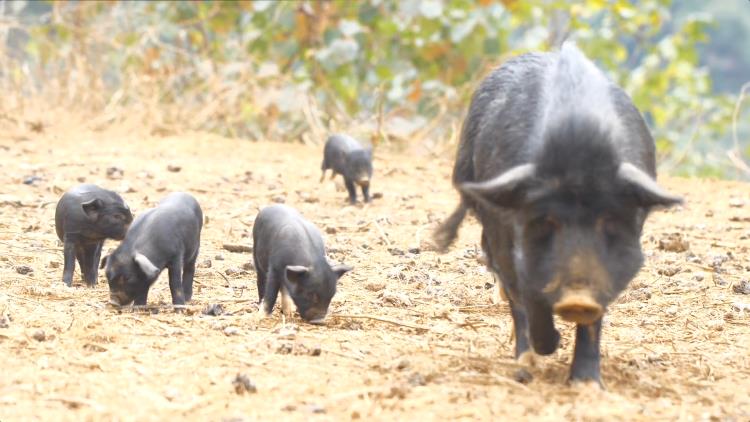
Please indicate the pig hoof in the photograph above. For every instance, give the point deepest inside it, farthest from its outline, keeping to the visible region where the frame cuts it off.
(547, 346)
(527, 358)
(523, 376)
(587, 383)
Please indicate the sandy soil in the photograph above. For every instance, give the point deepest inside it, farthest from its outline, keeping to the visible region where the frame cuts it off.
(413, 333)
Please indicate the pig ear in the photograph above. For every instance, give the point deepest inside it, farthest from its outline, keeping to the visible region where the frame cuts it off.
(340, 270)
(103, 263)
(145, 264)
(92, 207)
(647, 192)
(296, 273)
(505, 190)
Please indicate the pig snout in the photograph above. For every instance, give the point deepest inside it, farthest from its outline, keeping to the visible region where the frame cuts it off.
(315, 317)
(578, 306)
(119, 299)
(120, 233)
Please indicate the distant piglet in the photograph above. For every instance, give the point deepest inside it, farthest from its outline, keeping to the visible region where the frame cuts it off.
(85, 216)
(290, 258)
(167, 236)
(344, 155)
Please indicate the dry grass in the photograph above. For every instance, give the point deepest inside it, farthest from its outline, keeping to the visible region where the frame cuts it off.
(413, 334)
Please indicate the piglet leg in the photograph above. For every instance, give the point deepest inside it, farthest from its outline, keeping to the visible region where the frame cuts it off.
(69, 260)
(175, 284)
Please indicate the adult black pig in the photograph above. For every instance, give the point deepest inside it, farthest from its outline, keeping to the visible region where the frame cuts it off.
(558, 166)
(167, 236)
(290, 259)
(345, 156)
(85, 216)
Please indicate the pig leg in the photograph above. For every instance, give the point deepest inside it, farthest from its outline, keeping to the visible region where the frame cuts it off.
(141, 298)
(366, 193)
(273, 283)
(524, 354)
(261, 280)
(544, 337)
(188, 273)
(175, 283)
(97, 259)
(352, 191)
(69, 260)
(86, 260)
(585, 365)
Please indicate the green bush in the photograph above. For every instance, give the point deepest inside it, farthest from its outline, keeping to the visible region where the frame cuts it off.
(390, 71)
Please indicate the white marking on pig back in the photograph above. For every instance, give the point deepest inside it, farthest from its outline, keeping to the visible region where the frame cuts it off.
(580, 88)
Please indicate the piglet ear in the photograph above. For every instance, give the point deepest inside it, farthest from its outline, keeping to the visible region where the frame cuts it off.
(340, 270)
(505, 190)
(103, 263)
(91, 208)
(647, 192)
(147, 267)
(296, 273)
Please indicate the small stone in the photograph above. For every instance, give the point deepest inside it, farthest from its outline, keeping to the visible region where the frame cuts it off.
(416, 380)
(214, 309)
(81, 179)
(24, 269)
(30, 180)
(736, 203)
(248, 266)
(742, 288)
(206, 263)
(219, 257)
(523, 376)
(668, 271)
(242, 384)
(415, 251)
(115, 173)
(674, 242)
(54, 264)
(287, 332)
(173, 168)
(316, 351)
(284, 349)
(233, 271)
(316, 408)
(375, 286)
(331, 230)
(279, 199)
(402, 364)
(377, 195)
(39, 335)
(231, 331)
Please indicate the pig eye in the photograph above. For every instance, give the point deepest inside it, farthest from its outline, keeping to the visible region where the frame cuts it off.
(543, 227)
(119, 217)
(608, 226)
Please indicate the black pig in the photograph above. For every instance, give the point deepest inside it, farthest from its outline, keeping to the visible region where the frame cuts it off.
(290, 258)
(345, 156)
(558, 166)
(167, 236)
(85, 216)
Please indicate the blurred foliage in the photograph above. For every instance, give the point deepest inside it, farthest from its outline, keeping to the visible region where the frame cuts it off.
(387, 71)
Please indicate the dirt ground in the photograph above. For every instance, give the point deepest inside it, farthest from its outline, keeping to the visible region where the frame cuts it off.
(413, 334)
